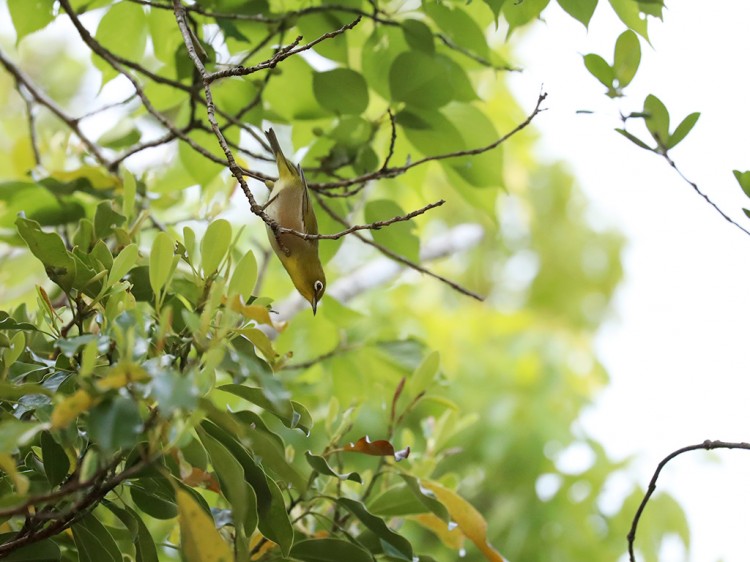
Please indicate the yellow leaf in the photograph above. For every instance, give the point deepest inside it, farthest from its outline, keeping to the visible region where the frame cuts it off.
(8, 465)
(468, 519)
(260, 341)
(450, 537)
(265, 547)
(122, 374)
(70, 408)
(251, 311)
(199, 539)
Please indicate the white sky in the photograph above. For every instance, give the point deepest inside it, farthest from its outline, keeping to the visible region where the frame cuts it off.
(676, 350)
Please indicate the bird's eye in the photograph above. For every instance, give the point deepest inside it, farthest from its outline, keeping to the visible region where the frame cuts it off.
(318, 286)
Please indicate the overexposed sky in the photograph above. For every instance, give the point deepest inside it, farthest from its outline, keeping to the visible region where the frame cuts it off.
(677, 349)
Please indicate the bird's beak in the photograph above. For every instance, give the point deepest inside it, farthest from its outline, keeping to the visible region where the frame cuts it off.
(314, 304)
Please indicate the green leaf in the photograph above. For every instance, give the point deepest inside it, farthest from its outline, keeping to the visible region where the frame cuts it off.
(280, 407)
(106, 219)
(329, 550)
(600, 69)
(321, 465)
(56, 462)
(45, 550)
(657, 119)
(160, 261)
(634, 139)
(459, 26)
(94, 542)
(233, 486)
(30, 15)
(129, 189)
(400, 547)
(214, 245)
(398, 236)
(273, 520)
(418, 35)
(314, 25)
(582, 10)
(244, 277)
(743, 178)
(420, 79)
(683, 129)
(496, 7)
(629, 13)
(627, 57)
(155, 497)
(426, 497)
(14, 391)
(122, 30)
(295, 75)
(425, 374)
(122, 264)
(520, 13)
(341, 90)
(15, 433)
(49, 248)
(11, 324)
(115, 424)
(145, 548)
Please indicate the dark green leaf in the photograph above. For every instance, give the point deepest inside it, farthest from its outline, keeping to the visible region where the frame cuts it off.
(342, 91)
(280, 407)
(329, 550)
(106, 219)
(94, 542)
(399, 545)
(321, 465)
(582, 10)
(426, 497)
(233, 486)
(154, 495)
(683, 129)
(145, 548)
(16, 433)
(627, 58)
(56, 461)
(11, 324)
(115, 424)
(45, 550)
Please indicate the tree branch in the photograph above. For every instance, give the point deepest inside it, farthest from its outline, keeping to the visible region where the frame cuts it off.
(282, 54)
(42, 98)
(397, 171)
(706, 445)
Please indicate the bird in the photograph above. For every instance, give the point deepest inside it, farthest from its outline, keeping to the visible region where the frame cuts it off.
(289, 205)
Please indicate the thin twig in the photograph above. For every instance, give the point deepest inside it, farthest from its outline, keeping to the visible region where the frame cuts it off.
(50, 104)
(398, 258)
(397, 171)
(707, 445)
(30, 120)
(377, 225)
(282, 54)
(702, 194)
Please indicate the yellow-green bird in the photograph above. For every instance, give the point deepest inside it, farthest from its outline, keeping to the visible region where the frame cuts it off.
(289, 205)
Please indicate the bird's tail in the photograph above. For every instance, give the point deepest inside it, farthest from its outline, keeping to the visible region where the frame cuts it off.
(284, 165)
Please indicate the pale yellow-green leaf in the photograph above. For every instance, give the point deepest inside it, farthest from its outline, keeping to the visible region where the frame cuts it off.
(123, 263)
(70, 408)
(468, 519)
(244, 276)
(160, 262)
(199, 539)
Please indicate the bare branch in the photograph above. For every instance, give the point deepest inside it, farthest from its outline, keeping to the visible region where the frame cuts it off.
(371, 226)
(398, 258)
(50, 104)
(448, 42)
(281, 54)
(702, 194)
(397, 171)
(707, 445)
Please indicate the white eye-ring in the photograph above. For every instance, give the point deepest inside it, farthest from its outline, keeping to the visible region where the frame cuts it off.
(318, 286)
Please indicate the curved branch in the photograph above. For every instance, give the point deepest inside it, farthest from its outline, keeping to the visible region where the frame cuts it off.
(707, 445)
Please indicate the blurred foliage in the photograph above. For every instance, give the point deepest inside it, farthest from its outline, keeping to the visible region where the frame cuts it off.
(153, 404)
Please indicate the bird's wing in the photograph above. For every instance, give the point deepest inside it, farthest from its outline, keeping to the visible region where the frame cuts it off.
(309, 221)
